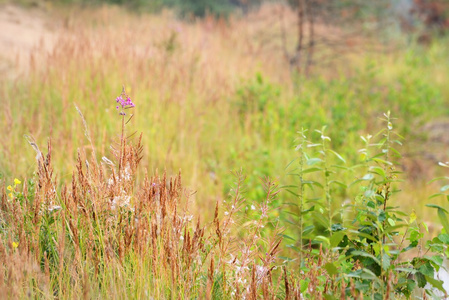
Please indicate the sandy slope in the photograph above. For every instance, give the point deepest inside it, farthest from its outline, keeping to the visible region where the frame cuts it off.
(22, 32)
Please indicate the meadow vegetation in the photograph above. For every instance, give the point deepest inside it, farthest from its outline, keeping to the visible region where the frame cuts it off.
(231, 177)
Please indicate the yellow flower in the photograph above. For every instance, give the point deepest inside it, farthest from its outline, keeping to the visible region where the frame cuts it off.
(15, 245)
(412, 216)
(10, 195)
(17, 181)
(9, 188)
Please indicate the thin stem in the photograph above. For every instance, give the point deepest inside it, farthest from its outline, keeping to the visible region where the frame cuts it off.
(387, 192)
(326, 186)
(122, 146)
(386, 167)
(387, 157)
(301, 195)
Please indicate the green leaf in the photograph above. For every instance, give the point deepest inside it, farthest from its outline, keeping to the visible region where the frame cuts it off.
(436, 259)
(381, 161)
(340, 167)
(444, 188)
(444, 238)
(382, 216)
(331, 269)
(355, 274)
(411, 246)
(436, 283)
(406, 270)
(438, 178)
(337, 155)
(313, 145)
(321, 219)
(427, 269)
(436, 195)
(399, 136)
(368, 274)
(425, 226)
(286, 259)
(304, 212)
(329, 297)
(378, 296)
(385, 261)
(398, 154)
(421, 279)
(287, 237)
(288, 165)
(311, 170)
(411, 285)
(371, 204)
(312, 161)
(336, 238)
(378, 171)
(369, 193)
(323, 239)
(337, 226)
(412, 217)
(366, 254)
(443, 219)
(338, 183)
(365, 235)
(368, 177)
(304, 284)
(293, 193)
(379, 154)
(288, 186)
(294, 248)
(290, 222)
(291, 204)
(436, 206)
(311, 183)
(308, 230)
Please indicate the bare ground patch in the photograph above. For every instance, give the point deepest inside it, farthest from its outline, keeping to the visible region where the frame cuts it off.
(23, 32)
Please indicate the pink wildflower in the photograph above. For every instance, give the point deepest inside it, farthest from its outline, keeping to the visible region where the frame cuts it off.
(124, 102)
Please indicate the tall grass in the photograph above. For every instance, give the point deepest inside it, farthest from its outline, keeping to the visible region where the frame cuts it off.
(107, 233)
(212, 97)
(192, 80)
(104, 234)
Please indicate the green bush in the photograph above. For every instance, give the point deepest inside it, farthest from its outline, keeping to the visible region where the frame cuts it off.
(185, 8)
(368, 242)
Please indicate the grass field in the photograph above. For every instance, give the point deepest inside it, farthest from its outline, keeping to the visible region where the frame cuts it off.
(216, 101)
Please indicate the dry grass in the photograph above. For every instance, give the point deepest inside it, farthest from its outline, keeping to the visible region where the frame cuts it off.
(106, 234)
(185, 77)
(92, 227)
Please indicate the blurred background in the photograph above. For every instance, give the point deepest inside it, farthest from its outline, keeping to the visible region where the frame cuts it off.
(223, 85)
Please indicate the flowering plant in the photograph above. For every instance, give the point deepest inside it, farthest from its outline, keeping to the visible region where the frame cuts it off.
(124, 102)
(12, 189)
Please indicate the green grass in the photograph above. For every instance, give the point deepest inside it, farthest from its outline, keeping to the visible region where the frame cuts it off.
(250, 126)
(206, 107)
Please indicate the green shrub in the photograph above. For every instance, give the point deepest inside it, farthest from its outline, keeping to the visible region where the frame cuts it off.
(370, 247)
